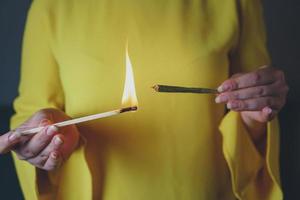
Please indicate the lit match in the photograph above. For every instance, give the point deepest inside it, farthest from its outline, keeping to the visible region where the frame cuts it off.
(129, 104)
(178, 89)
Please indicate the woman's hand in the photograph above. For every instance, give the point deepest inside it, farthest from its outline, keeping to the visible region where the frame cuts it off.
(47, 149)
(257, 95)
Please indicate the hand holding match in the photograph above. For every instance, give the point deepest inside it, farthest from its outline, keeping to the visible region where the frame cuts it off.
(80, 120)
(46, 149)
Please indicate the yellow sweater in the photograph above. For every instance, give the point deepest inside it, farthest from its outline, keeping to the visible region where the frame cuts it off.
(177, 146)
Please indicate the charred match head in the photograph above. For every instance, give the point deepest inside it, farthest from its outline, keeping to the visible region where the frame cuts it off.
(133, 108)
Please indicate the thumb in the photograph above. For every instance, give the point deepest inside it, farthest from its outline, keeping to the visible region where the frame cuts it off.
(268, 114)
(8, 140)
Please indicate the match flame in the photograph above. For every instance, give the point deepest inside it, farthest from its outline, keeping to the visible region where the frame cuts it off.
(129, 98)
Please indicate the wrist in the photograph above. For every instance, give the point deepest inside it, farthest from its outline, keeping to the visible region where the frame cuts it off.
(257, 131)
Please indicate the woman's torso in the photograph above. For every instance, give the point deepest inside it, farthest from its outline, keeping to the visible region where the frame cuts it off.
(171, 147)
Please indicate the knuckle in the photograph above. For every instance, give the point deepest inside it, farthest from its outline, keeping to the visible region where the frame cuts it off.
(44, 156)
(232, 84)
(53, 147)
(255, 77)
(42, 159)
(235, 95)
(249, 105)
(28, 153)
(232, 95)
(43, 140)
(241, 105)
(261, 91)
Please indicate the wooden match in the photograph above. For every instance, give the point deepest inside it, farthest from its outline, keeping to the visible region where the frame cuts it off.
(80, 120)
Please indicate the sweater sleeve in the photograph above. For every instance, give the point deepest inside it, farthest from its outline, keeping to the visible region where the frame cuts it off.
(40, 87)
(253, 176)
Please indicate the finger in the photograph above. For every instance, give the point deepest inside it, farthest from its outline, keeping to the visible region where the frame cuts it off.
(40, 118)
(53, 162)
(41, 158)
(260, 77)
(250, 93)
(268, 114)
(256, 104)
(8, 140)
(25, 126)
(237, 75)
(263, 116)
(37, 143)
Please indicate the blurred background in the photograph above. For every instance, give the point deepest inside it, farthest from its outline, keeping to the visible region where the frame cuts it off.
(282, 21)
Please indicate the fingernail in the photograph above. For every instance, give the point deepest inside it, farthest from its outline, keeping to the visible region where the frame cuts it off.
(51, 130)
(220, 88)
(221, 99)
(232, 105)
(58, 141)
(218, 99)
(267, 110)
(229, 105)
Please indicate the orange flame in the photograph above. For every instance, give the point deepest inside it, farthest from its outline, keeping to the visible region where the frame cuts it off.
(129, 98)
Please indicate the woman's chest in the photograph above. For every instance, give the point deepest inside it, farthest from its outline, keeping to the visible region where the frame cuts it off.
(171, 43)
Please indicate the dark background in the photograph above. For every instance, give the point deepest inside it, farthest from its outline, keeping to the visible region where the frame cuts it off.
(282, 20)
